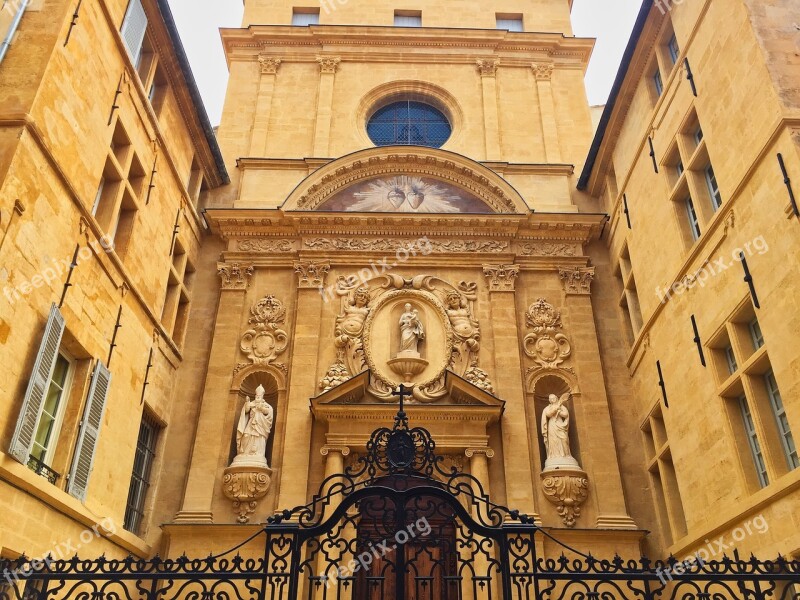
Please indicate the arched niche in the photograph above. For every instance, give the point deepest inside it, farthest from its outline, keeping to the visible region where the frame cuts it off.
(555, 382)
(246, 383)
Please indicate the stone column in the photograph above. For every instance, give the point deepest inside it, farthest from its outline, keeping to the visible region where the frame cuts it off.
(479, 469)
(488, 72)
(544, 86)
(334, 464)
(209, 441)
(322, 131)
(598, 447)
(303, 382)
(508, 386)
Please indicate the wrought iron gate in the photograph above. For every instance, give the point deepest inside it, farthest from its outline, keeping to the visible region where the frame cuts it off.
(398, 525)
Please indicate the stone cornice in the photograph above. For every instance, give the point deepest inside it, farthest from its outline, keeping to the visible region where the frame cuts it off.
(371, 43)
(289, 229)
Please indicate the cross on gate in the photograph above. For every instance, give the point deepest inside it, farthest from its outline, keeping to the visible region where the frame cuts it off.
(403, 391)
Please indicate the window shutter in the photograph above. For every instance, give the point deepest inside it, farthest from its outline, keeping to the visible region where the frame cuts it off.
(33, 403)
(90, 430)
(133, 29)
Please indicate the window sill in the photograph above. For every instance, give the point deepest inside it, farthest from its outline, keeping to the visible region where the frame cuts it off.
(21, 477)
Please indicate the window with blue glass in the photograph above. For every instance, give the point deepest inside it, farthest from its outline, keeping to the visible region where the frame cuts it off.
(409, 123)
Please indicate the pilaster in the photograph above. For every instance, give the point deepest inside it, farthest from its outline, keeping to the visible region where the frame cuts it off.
(269, 66)
(487, 68)
(543, 72)
(322, 131)
(201, 483)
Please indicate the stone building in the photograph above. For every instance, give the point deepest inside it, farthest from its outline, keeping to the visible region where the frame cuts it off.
(410, 202)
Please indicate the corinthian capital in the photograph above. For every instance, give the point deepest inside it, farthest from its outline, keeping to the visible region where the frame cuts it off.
(577, 281)
(235, 276)
(487, 67)
(311, 273)
(501, 278)
(328, 64)
(543, 71)
(269, 64)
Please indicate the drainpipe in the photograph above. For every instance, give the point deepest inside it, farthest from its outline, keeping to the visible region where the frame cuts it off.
(13, 29)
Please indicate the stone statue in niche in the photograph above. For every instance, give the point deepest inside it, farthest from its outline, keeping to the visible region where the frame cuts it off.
(555, 432)
(412, 332)
(253, 430)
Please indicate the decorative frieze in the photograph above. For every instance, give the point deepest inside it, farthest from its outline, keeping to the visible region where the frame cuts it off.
(501, 278)
(393, 245)
(266, 245)
(577, 281)
(235, 276)
(311, 274)
(547, 249)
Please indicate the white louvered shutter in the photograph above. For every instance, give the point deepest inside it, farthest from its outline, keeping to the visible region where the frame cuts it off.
(33, 402)
(83, 460)
(133, 29)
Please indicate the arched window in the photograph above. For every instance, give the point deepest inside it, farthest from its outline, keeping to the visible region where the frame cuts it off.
(409, 123)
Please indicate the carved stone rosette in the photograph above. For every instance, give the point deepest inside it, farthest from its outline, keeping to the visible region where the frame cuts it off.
(235, 276)
(245, 486)
(265, 341)
(567, 489)
(577, 281)
(501, 278)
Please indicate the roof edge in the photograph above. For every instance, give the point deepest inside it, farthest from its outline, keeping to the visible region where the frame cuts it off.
(194, 91)
(605, 119)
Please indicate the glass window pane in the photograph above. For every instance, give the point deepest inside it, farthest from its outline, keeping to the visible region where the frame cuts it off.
(407, 122)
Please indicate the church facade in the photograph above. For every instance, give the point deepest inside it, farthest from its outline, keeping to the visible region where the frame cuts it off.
(400, 197)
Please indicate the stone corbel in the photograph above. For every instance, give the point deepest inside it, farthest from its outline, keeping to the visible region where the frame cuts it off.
(245, 486)
(577, 281)
(311, 274)
(235, 276)
(567, 489)
(501, 278)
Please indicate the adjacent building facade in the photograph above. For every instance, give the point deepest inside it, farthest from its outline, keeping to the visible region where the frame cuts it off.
(410, 201)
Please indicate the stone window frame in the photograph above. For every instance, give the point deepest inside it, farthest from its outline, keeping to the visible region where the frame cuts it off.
(663, 476)
(629, 299)
(692, 182)
(747, 387)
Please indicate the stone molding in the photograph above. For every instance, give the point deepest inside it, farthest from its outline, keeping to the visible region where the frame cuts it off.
(577, 281)
(501, 278)
(235, 276)
(311, 274)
